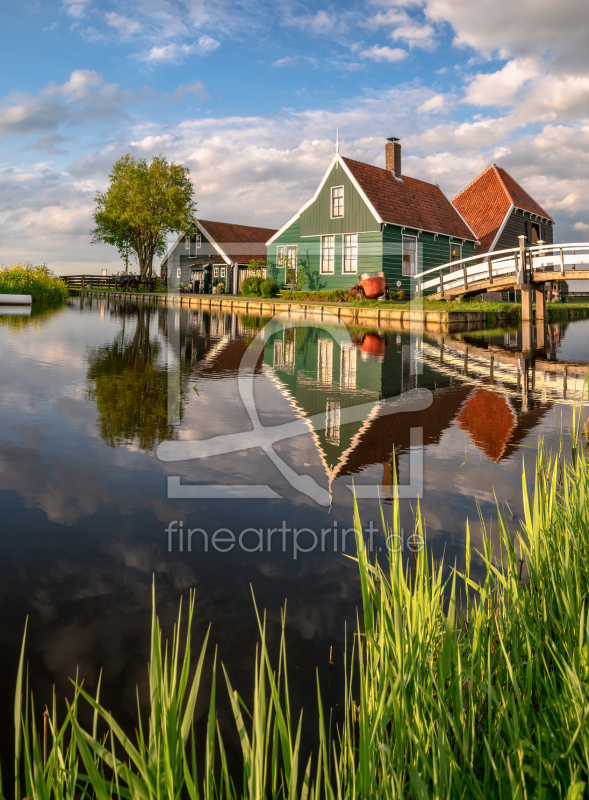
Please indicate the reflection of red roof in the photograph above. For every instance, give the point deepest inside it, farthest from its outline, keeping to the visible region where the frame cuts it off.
(227, 360)
(409, 202)
(229, 232)
(490, 421)
(493, 425)
(389, 431)
(484, 203)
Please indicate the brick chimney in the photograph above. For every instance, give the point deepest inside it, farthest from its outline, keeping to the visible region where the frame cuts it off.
(393, 156)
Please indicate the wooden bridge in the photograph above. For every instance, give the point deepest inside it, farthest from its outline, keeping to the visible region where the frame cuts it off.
(523, 268)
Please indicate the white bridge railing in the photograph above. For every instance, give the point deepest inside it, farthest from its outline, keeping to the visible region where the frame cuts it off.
(522, 262)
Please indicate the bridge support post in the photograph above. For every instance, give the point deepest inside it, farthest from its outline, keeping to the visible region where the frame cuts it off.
(527, 338)
(527, 299)
(540, 302)
(541, 334)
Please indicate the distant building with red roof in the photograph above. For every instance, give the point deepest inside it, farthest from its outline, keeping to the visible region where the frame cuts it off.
(499, 210)
(364, 218)
(214, 252)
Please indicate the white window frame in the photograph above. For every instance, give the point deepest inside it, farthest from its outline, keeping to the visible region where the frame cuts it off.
(403, 271)
(222, 272)
(354, 245)
(198, 241)
(337, 216)
(288, 258)
(187, 242)
(215, 272)
(458, 267)
(329, 236)
(280, 256)
(179, 272)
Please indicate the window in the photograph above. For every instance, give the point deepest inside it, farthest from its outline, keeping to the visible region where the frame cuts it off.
(409, 255)
(222, 272)
(291, 263)
(215, 272)
(348, 366)
(198, 241)
(327, 254)
(337, 201)
(455, 255)
(532, 232)
(280, 256)
(187, 243)
(179, 272)
(332, 421)
(325, 361)
(350, 253)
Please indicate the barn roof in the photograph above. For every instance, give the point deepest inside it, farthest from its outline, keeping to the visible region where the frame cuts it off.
(409, 202)
(486, 201)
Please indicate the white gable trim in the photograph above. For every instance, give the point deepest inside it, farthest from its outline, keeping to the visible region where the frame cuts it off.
(500, 231)
(336, 159)
(223, 255)
(451, 235)
(361, 192)
(209, 238)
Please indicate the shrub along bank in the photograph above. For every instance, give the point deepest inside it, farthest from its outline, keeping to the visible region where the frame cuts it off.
(39, 282)
(454, 688)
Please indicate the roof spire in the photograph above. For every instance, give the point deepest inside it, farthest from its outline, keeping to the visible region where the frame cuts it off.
(337, 141)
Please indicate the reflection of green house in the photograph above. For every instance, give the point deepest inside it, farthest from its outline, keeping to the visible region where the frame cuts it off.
(364, 218)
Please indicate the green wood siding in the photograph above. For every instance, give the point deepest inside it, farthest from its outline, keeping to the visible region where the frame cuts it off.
(316, 219)
(432, 251)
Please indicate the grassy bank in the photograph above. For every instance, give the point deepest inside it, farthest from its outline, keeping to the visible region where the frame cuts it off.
(39, 282)
(453, 688)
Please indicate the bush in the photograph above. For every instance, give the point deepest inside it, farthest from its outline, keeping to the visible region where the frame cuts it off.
(251, 286)
(268, 288)
(39, 282)
(331, 296)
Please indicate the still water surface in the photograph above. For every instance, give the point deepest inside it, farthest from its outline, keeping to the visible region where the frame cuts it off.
(94, 395)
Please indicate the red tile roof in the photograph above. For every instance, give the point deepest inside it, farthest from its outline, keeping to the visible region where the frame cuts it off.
(410, 202)
(229, 232)
(485, 202)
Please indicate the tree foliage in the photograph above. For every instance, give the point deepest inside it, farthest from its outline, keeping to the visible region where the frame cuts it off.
(143, 203)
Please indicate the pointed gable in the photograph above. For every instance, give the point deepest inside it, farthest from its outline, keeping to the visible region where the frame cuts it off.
(409, 202)
(486, 201)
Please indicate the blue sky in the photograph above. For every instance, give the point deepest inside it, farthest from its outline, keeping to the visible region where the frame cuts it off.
(249, 94)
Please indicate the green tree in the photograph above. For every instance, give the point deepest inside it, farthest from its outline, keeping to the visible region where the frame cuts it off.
(143, 203)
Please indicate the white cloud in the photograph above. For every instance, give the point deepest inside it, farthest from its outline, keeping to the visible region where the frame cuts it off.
(177, 52)
(415, 35)
(206, 44)
(185, 90)
(384, 53)
(524, 28)
(168, 52)
(500, 88)
(286, 61)
(124, 25)
(321, 22)
(75, 8)
(436, 103)
(580, 226)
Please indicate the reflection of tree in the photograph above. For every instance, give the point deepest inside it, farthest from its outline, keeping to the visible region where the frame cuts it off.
(129, 384)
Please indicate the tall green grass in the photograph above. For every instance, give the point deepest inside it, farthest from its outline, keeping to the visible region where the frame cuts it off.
(39, 282)
(454, 688)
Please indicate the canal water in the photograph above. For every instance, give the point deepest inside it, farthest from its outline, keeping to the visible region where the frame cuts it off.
(123, 427)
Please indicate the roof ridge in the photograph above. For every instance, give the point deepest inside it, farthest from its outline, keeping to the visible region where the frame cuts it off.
(240, 224)
(502, 182)
(474, 180)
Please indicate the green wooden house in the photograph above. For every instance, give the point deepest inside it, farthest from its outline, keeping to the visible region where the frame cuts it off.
(364, 218)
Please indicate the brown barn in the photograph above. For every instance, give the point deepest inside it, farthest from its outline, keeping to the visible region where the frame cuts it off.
(499, 210)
